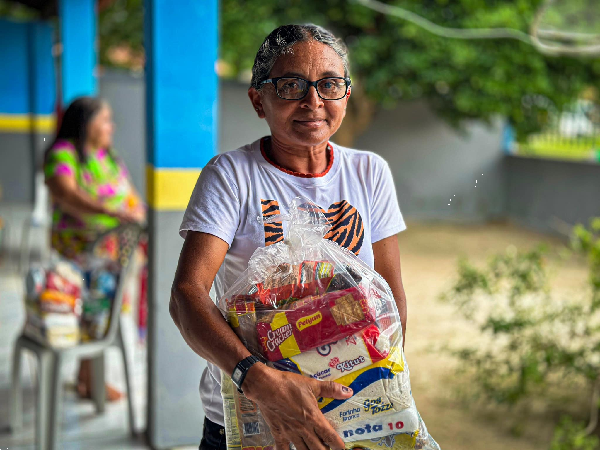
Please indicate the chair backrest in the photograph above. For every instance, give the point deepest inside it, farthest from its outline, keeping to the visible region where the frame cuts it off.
(127, 238)
(41, 209)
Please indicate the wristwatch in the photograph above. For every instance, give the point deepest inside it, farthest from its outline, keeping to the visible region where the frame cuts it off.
(241, 369)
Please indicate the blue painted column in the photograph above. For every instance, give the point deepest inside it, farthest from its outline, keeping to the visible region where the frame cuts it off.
(181, 39)
(78, 37)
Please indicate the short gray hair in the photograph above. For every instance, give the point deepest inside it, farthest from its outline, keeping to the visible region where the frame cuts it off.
(284, 37)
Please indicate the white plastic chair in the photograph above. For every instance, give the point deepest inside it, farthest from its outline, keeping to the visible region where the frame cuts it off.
(40, 218)
(51, 360)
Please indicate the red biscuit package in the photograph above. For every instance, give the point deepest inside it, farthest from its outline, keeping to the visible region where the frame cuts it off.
(313, 322)
(293, 282)
(57, 283)
(285, 286)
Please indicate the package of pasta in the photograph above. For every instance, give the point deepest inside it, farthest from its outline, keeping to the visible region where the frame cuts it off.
(309, 306)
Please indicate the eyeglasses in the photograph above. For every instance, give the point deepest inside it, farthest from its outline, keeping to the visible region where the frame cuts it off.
(296, 88)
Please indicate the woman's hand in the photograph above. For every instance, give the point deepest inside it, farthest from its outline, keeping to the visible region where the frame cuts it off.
(130, 215)
(78, 203)
(139, 213)
(124, 216)
(288, 403)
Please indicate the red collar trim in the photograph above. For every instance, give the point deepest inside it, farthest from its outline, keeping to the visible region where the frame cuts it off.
(291, 172)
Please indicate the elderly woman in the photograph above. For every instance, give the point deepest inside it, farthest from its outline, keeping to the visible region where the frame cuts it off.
(300, 86)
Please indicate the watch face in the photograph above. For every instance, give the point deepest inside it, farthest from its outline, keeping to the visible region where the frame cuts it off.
(237, 373)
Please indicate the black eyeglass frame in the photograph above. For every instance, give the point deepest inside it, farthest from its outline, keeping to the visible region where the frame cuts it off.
(309, 84)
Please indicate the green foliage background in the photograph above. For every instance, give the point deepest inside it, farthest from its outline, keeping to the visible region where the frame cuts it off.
(121, 23)
(397, 61)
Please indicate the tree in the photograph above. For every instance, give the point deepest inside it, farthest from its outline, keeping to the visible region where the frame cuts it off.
(393, 60)
(121, 27)
(17, 11)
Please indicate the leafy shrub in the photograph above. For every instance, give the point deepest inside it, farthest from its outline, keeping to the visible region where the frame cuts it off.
(529, 339)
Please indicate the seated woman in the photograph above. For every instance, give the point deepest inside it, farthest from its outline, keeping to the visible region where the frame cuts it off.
(90, 188)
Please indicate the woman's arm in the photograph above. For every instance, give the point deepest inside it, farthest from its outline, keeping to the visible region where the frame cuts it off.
(287, 400)
(387, 263)
(76, 202)
(193, 311)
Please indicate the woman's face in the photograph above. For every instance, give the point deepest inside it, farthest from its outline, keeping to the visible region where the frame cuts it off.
(101, 128)
(311, 120)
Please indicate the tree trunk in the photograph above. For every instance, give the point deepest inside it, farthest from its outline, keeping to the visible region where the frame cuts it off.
(359, 115)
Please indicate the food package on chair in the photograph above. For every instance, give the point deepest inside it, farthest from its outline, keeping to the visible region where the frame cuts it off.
(53, 303)
(54, 329)
(56, 288)
(97, 307)
(308, 306)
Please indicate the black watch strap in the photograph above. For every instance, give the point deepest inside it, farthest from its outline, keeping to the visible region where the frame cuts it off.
(241, 369)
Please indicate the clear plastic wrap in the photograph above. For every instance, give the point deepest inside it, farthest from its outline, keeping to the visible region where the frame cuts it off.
(53, 303)
(308, 306)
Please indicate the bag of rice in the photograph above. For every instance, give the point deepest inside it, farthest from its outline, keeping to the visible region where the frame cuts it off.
(308, 306)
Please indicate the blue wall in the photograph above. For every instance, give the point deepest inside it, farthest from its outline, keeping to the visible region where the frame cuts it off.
(27, 78)
(14, 76)
(42, 70)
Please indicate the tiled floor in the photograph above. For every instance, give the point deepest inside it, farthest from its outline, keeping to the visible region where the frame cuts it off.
(81, 426)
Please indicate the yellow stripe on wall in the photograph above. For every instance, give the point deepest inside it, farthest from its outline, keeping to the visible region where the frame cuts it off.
(170, 189)
(21, 123)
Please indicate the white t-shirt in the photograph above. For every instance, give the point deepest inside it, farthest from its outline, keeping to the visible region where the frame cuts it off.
(235, 190)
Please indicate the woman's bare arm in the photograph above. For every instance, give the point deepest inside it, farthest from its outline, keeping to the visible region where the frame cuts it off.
(193, 311)
(387, 263)
(72, 199)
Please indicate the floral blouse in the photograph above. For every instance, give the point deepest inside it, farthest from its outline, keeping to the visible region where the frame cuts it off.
(103, 177)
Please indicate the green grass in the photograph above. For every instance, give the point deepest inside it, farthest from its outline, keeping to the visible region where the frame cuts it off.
(584, 148)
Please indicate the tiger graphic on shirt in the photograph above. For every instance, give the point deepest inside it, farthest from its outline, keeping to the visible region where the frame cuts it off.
(347, 228)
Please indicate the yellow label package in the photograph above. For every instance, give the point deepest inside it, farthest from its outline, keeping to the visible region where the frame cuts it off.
(244, 423)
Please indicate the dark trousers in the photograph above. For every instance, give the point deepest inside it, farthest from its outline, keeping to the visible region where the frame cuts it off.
(213, 436)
